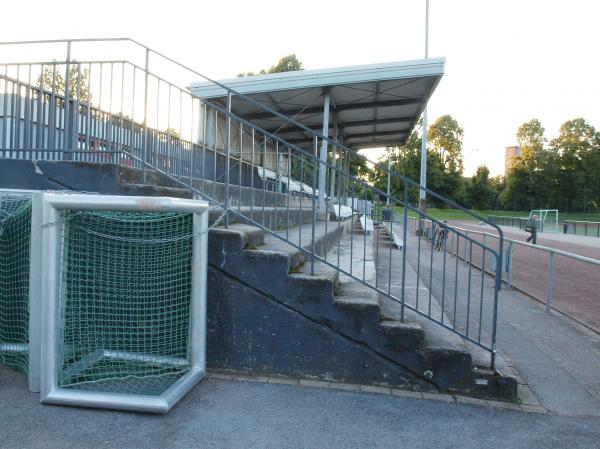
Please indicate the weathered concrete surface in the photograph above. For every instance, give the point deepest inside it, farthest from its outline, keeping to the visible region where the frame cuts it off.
(264, 273)
(233, 414)
(249, 331)
(346, 309)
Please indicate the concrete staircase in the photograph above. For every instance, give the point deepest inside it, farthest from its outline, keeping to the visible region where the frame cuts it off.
(268, 314)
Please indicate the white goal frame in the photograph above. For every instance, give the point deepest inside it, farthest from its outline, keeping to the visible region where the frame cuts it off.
(51, 393)
(35, 302)
(542, 214)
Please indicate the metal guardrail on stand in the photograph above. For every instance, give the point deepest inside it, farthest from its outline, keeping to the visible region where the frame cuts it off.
(508, 266)
(575, 227)
(551, 253)
(74, 103)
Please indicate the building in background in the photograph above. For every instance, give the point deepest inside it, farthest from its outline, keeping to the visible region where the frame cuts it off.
(510, 155)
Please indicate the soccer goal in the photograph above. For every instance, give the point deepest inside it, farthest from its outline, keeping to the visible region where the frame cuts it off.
(547, 219)
(124, 300)
(15, 229)
(20, 256)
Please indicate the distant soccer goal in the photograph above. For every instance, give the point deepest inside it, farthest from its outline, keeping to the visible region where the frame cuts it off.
(547, 219)
(124, 310)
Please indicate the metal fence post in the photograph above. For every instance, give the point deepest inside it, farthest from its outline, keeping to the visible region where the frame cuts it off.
(68, 140)
(550, 281)
(509, 264)
(404, 234)
(314, 208)
(227, 161)
(145, 149)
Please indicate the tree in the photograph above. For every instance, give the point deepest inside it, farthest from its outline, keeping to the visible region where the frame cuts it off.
(577, 149)
(52, 80)
(516, 195)
(563, 175)
(480, 193)
(529, 184)
(498, 184)
(446, 137)
(442, 176)
(289, 63)
(535, 160)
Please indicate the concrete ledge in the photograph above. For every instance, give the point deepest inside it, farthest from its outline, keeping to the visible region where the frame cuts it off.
(376, 389)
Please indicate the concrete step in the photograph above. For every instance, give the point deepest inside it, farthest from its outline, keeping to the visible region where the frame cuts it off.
(271, 217)
(455, 363)
(358, 295)
(246, 251)
(154, 190)
(278, 268)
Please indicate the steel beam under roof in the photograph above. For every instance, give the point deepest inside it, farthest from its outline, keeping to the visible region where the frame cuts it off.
(375, 105)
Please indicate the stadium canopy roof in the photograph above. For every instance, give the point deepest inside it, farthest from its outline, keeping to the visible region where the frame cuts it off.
(371, 105)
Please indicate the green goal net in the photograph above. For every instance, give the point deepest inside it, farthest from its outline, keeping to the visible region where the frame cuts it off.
(15, 233)
(125, 294)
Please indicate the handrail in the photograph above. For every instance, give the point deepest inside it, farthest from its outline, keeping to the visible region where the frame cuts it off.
(580, 221)
(547, 249)
(276, 113)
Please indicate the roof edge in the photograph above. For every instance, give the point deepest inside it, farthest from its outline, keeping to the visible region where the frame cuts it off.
(322, 77)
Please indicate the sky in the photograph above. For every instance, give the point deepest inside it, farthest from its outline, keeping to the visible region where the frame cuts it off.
(506, 61)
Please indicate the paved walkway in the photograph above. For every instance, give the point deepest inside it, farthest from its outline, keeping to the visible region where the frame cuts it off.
(557, 359)
(234, 414)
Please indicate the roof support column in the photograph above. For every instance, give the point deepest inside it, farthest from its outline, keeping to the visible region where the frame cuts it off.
(323, 157)
(346, 182)
(333, 158)
(340, 165)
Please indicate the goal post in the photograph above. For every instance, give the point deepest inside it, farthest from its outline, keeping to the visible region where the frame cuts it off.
(124, 300)
(547, 219)
(20, 265)
(15, 230)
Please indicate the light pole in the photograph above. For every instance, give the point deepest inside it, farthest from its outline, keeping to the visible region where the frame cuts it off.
(423, 179)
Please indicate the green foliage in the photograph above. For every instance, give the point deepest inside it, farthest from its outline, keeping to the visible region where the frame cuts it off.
(578, 152)
(444, 163)
(446, 137)
(289, 63)
(52, 80)
(563, 174)
(480, 193)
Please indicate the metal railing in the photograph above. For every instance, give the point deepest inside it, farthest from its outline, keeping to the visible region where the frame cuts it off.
(575, 227)
(579, 227)
(77, 104)
(465, 294)
(527, 265)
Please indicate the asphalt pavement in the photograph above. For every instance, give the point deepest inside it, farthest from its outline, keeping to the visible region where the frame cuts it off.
(234, 414)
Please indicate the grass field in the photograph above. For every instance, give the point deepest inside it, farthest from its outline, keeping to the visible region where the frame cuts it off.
(454, 214)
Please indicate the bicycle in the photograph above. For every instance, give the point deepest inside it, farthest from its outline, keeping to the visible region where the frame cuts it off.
(439, 239)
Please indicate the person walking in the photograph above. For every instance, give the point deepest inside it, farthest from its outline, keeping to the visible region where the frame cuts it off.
(532, 229)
